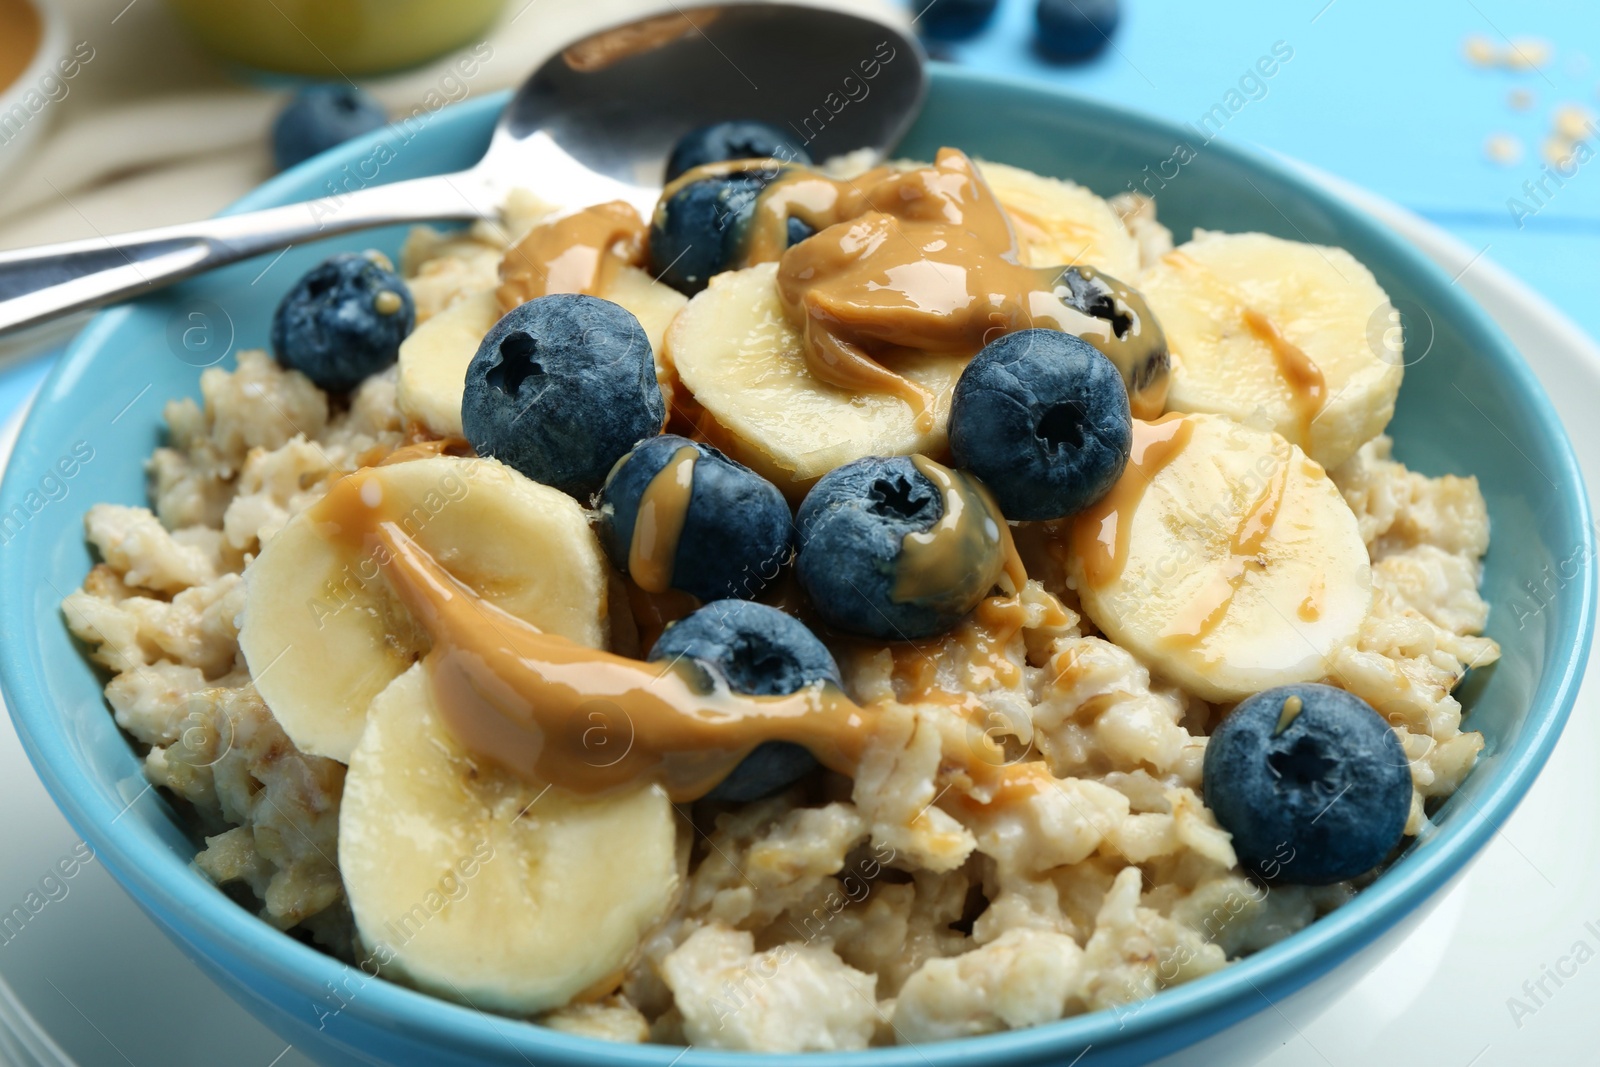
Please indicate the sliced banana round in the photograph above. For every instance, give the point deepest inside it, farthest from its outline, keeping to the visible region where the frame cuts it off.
(1058, 223)
(1225, 559)
(1281, 334)
(477, 885)
(434, 359)
(737, 353)
(323, 633)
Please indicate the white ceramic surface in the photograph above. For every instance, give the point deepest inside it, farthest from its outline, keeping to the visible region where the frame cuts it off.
(111, 989)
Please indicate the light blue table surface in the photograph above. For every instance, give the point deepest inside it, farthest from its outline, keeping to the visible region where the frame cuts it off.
(1375, 91)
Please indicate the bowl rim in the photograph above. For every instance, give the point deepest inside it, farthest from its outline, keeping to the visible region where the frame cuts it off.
(211, 917)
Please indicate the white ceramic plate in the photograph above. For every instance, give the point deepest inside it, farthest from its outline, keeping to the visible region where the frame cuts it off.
(111, 989)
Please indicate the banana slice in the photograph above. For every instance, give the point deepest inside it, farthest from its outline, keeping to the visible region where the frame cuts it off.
(1058, 223)
(479, 886)
(1279, 334)
(735, 351)
(1225, 559)
(433, 360)
(323, 633)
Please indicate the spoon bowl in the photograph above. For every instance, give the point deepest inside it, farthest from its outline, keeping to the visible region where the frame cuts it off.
(593, 124)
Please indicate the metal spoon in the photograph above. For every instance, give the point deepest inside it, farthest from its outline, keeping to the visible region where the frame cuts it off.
(592, 124)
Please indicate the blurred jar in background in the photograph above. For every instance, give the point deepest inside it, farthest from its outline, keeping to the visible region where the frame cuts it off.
(20, 32)
(334, 38)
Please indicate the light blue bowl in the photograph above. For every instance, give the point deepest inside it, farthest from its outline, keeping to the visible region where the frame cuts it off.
(1470, 406)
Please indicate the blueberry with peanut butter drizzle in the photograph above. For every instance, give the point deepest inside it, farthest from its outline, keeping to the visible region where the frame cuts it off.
(755, 650)
(901, 548)
(677, 514)
(737, 139)
(701, 223)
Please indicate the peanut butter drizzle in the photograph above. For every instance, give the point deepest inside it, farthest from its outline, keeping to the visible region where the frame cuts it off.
(1201, 616)
(1099, 536)
(968, 549)
(1299, 372)
(19, 39)
(659, 522)
(577, 253)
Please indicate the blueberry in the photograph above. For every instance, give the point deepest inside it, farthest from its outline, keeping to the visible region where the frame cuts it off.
(951, 20)
(561, 389)
(853, 554)
(1137, 344)
(700, 229)
(1076, 29)
(1042, 418)
(758, 651)
(319, 117)
(1311, 797)
(344, 320)
(737, 532)
(740, 139)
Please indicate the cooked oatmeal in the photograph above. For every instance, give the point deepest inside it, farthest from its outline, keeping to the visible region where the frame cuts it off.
(900, 906)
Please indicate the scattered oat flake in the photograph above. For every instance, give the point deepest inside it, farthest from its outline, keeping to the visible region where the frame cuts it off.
(1528, 53)
(1557, 151)
(1574, 122)
(1520, 99)
(1503, 148)
(1480, 51)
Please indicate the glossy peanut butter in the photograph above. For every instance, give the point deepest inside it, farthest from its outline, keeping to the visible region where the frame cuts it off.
(1100, 535)
(969, 547)
(612, 46)
(577, 253)
(19, 39)
(921, 259)
(1299, 372)
(659, 522)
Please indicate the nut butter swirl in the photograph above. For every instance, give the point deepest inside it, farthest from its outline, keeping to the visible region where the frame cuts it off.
(576, 253)
(921, 260)
(969, 549)
(658, 522)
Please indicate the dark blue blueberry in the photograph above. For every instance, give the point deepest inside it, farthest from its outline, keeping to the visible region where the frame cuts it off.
(1076, 29)
(1311, 797)
(1041, 417)
(699, 231)
(319, 117)
(562, 388)
(737, 533)
(344, 320)
(740, 139)
(852, 528)
(951, 20)
(758, 651)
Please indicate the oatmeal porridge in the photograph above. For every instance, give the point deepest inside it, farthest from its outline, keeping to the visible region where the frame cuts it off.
(849, 608)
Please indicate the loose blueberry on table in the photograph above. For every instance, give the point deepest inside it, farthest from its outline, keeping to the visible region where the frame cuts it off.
(758, 651)
(1076, 29)
(561, 389)
(344, 320)
(1311, 782)
(951, 20)
(320, 117)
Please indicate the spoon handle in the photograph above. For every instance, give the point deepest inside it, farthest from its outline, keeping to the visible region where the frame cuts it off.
(39, 284)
